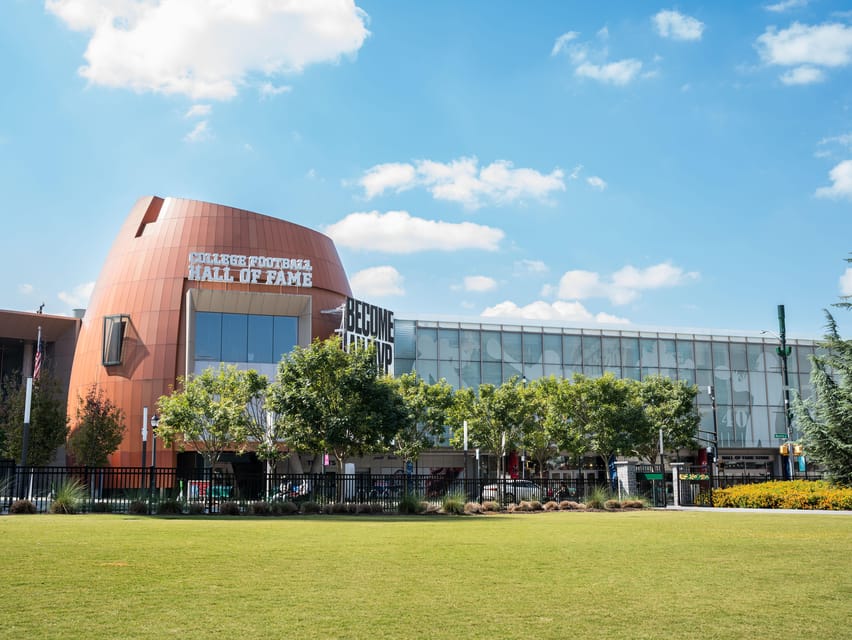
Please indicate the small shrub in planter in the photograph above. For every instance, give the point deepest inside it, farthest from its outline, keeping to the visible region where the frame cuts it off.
(535, 505)
(311, 507)
(551, 505)
(229, 509)
(612, 504)
(364, 507)
(430, 509)
(339, 508)
(260, 508)
(138, 508)
(632, 504)
(22, 507)
(169, 508)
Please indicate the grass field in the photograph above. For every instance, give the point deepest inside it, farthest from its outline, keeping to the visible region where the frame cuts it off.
(651, 574)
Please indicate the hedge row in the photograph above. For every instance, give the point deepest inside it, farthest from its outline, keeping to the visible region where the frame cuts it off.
(794, 494)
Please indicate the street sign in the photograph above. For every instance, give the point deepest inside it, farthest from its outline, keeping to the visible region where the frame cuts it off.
(781, 435)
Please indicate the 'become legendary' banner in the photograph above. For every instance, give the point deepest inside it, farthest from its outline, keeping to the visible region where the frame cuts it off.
(365, 323)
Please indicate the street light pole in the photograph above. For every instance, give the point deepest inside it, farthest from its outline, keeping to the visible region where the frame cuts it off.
(712, 392)
(144, 435)
(783, 351)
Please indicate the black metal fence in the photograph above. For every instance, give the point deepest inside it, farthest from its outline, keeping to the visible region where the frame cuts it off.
(697, 483)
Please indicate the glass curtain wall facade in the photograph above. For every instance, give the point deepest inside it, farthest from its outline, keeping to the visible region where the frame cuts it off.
(745, 371)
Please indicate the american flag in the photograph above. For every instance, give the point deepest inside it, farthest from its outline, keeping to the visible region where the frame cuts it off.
(38, 357)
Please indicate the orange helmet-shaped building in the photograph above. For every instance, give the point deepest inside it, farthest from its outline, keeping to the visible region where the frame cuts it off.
(189, 284)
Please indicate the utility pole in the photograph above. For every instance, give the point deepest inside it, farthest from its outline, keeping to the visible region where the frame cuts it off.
(784, 351)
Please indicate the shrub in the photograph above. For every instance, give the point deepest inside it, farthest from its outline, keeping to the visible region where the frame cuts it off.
(138, 508)
(22, 506)
(551, 505)
(612, 504)
(633, 503)
(472, 508)
(196, 509)
(792, 494)
(260, 508)
(68, 497)
(453, 503)
(598, 497)
(411, 504)
(311, 507)
(490, 505)
(431, 509)
(229, 509)
(169, 508)
(101, 506)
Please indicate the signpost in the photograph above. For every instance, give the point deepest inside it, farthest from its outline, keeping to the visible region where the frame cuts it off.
(781, 435)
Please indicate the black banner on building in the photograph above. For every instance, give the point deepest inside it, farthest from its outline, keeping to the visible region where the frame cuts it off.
(364, 324)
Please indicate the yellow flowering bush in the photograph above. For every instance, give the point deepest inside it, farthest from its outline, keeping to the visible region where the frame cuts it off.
(794, 494)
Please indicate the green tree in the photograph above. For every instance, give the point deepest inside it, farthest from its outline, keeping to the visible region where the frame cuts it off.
(826, 418)
(561, 421)
(669, 405)
(331, 400)
(428, 407)
(48, 418)
(498, 418)
(209, 411)
(100, 429)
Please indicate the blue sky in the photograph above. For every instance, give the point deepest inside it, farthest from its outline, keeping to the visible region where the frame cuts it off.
(640, 164)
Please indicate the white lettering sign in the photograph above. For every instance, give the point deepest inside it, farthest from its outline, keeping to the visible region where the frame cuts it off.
(226, 267)
(364, 324)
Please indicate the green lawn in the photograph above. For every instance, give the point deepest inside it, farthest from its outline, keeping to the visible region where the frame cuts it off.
(651, 574)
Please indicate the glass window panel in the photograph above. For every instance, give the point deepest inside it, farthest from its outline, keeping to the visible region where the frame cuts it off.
(512, 351)
(725, 418)
(630, 352)
(742, 426)
(632, 373)
(492, 373)
(592, 351)
(669, 373)
(738, 356)
(649, 353)
(706, 414)
(259, 339)
(650, 371)
(572, 349)
(533, 371)
(570, 369)
(208, 336)
(449, 371)
(532, 348)
(702, 355)
(760, 427)
(592, 372)
(687, 375)
(616, 371)
(448, 344)
(404, 338)
(685, 356)
(720, 355)
(668, 354)
(757, 385)
(777, 422)
(469, 346)
(739, 387)
(774, 389)
(756, 361)
(553, 370)
(722, 386)
(611, 351)
(491, 349)
(427, 344)
(427, 370)
(512, 369)
(703, 379)
(803, 357)
(285, 334)
(112, 349)
(234, 337)
(402, 365)
(470, 374)
(552, 349)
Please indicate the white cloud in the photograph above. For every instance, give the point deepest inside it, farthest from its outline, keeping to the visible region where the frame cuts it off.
(596, 183)
(479, 284)
(26, 289)
(378, 281)
(198, 111)
(844, 139)
(617, 73)
(199, 133)
(575, 172)
(675, 25)
(208, 49)
(559, 310)
(268, 90)
(841, 178)
(806, 48)
(786, 5)
(79, 296)
(463, 181)
(563, 40)
(530, 266)
(846, 283)
(399, 232)
(624, 285)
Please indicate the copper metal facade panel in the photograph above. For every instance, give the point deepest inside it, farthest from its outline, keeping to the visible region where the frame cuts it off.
(145, 277)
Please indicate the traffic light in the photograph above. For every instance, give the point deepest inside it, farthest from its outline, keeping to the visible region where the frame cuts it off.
(782, 449)
(798, 449)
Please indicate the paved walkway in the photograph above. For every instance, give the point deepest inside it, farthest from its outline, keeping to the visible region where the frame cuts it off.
(767, 511)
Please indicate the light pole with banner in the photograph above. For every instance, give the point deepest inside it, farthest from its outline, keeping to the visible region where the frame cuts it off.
(784, 351)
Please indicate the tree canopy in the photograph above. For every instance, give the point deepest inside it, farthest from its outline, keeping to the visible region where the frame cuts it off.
(428, 407)
(99, 429)
(48, 418)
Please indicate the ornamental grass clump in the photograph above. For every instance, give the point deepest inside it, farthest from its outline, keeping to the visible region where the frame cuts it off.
(311, 507)
(491, 505)
(453, 503)
(411, 504)
(598, 497)
(138, 508)
(260, 508)
(169, 508)
(69, 496)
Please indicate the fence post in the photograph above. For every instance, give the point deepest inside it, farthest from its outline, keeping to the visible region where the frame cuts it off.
(676, 467)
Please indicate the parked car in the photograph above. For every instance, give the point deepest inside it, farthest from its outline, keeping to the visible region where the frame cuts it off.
(512, 491)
